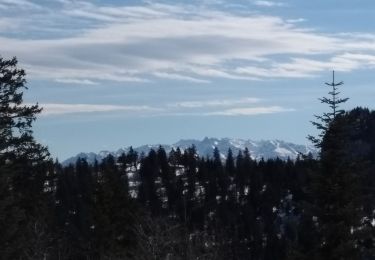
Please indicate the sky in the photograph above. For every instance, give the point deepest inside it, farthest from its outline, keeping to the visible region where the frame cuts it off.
(111, 74)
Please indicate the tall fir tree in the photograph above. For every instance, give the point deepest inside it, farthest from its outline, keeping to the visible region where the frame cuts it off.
(334, 190)
(324, 120)
(23, 201)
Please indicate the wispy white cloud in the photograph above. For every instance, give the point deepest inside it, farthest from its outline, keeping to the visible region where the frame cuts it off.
(175, 76)
(303, 67)
(19, 4)
(206, 71)
(215, 103)
(76, 81)
(50, 109)
(249, 111)
(297, 20)
(80, 75)
(268, 3)
(248, 106)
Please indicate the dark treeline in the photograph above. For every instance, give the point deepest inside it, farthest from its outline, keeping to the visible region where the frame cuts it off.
(240, 209)
(178, 205)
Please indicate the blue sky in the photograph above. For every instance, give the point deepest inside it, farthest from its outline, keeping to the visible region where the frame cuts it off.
(111, 74)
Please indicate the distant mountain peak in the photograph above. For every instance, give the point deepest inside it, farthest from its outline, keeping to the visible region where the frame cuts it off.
(258, 149)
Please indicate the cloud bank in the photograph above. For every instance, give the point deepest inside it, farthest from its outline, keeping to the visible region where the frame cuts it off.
(79, 42)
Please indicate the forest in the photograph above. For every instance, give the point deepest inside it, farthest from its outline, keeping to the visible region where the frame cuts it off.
(179, 205)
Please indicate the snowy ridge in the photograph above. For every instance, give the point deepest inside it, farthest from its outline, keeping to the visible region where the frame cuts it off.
(258, 149)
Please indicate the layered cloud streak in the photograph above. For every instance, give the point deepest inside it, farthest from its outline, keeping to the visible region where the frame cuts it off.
(152, 42)
(224, 107)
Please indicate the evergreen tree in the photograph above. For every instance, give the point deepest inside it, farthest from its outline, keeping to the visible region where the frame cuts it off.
(334, 189)
(326, 118)
(125, 163)
(16, 119)
(167, 178)
(75, 209)
(131, 158)
(23, 201)
(190, 165)
(222, 180)
(241, 173)
(229, 163)
(115, 215)
(149, 188)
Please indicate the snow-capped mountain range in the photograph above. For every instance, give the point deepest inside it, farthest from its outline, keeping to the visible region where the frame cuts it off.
(258, 149)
